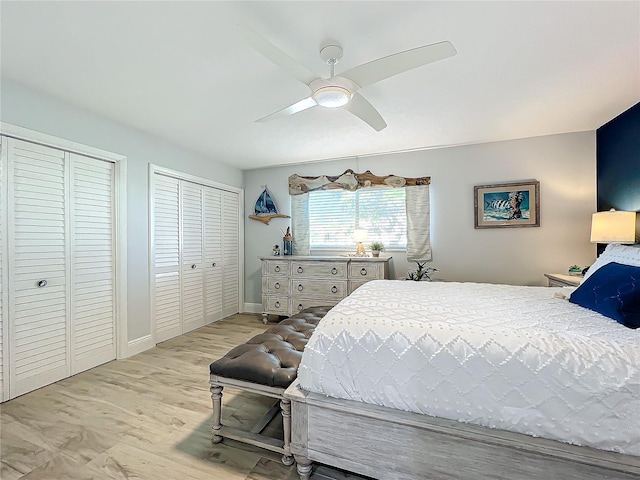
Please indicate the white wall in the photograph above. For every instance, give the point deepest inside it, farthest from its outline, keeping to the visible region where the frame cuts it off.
(565, 165)
(33, 110)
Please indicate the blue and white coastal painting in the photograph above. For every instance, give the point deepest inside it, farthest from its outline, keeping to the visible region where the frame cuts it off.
(504, 206)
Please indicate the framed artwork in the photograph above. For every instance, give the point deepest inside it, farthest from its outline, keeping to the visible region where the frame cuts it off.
(515, 204)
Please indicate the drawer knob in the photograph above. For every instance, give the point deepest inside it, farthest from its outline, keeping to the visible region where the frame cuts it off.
(300, 307)
(334, 271)
(300, 270)
(213, 264)
(277, 304)
(41, 283)
(277, 268)
(334, 289)
(193, 266)
(363, 271)
(300, 287)
(276, 285)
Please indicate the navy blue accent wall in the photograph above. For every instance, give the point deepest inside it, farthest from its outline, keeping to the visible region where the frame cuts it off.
(618, 164)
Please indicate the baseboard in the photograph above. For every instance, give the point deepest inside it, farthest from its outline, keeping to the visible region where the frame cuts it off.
(252, 308)
(137, 346)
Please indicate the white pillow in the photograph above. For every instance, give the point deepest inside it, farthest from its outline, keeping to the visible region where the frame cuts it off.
(624, 254)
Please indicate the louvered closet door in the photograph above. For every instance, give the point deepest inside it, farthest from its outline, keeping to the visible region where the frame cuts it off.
(192, 257)
(167, 310)
(39, 290)
(213, 254)
(4, 392)
(93, 256)
(230, 253)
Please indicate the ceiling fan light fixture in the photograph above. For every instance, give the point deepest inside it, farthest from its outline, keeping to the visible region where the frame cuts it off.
(331, 96)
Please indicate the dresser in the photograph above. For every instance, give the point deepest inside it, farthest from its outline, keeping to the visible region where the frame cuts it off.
(292, 283)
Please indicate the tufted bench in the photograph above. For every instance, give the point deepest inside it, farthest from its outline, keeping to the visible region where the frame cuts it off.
(266, 364)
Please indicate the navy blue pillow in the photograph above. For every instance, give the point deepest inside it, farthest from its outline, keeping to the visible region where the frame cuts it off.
(614, 291)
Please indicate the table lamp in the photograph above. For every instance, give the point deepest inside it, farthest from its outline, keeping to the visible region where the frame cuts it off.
(613, 227)
(360, 235)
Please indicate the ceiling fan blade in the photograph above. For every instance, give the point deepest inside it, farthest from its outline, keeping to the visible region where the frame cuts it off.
(386, 67)
(290, 110)
(361, 108)
(277, 56)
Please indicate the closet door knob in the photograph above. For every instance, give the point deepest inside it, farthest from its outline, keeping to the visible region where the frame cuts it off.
(41, 283)
(193, 266)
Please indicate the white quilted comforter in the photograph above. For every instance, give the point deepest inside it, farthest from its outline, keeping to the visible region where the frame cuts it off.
(507, 357)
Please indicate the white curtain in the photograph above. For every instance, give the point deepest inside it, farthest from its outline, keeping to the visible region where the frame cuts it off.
(418, 222)
(300, 224)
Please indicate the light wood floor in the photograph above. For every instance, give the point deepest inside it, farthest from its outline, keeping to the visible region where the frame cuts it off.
(146, 417)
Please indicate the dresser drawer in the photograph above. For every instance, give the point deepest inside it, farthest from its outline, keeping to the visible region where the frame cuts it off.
(319, 288)
(365, 271)
(278, 305)
(275, 285)
(300, 303)
(275, 267)
(319, 269)
(354, 285)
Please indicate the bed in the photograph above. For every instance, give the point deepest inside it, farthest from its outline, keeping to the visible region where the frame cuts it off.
(415, 380)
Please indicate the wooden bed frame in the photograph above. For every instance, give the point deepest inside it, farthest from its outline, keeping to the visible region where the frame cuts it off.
(385, 443)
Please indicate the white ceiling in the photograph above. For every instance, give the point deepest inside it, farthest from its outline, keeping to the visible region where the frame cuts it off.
(180, 70)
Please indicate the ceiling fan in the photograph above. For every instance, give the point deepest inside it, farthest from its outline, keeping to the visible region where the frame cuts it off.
(342, 90)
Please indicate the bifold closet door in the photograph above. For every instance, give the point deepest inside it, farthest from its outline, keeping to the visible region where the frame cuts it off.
(39, 300)
(192, 257)
(4, 393)
(61, 287)
(213, 266)
(230, 253)
(196, 259)
(167, 298)
(93, 339)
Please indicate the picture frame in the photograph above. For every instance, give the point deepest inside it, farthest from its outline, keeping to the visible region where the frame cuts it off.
(507, 205)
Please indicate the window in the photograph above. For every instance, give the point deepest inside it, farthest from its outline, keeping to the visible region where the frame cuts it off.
(335, 214)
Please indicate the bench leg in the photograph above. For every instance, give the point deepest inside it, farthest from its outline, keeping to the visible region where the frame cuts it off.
(285, 406)
(304, 467)
(216, 400)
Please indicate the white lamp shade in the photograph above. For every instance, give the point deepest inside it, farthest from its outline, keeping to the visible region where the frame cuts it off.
(613, 227)
(360, 235)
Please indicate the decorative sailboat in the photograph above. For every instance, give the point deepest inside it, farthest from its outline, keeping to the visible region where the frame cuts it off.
(265, 208)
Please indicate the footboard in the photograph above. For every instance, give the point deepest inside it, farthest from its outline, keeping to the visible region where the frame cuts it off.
(386, 443)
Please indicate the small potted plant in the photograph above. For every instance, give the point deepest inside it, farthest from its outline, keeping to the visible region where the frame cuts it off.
(421, 273)
(575, 270)
(376, 248)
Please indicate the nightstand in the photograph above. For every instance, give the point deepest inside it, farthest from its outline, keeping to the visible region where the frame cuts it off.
(563, 280)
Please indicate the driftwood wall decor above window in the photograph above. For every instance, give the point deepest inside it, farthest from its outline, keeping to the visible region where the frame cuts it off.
(351, 181)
